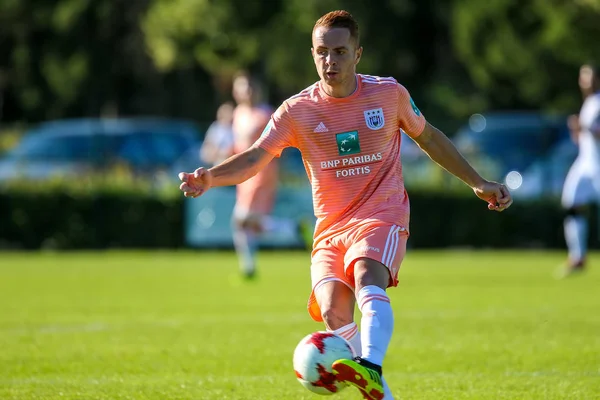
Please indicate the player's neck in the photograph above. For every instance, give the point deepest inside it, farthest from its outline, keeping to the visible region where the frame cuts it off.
(344, 90)
(590, 91)
(247, 104)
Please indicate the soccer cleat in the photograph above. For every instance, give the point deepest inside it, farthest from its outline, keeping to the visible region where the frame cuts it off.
(248, 272)
(249, 275)
(570, 269)
(362, 374)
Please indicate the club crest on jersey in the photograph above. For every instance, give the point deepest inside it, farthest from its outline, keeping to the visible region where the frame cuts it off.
(374, 118)
(347, 143)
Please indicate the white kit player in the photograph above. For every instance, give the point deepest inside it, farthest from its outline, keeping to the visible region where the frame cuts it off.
(582, 185)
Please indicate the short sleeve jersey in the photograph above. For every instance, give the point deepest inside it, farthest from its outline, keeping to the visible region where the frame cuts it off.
(350, 148)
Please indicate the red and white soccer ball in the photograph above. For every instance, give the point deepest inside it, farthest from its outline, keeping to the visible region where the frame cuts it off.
(313, 358)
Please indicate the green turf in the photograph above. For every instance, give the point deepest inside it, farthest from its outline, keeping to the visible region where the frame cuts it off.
(161, 325)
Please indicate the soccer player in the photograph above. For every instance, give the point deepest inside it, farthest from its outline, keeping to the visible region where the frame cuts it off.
(347, 126)
(582, 185)
(256, 195)
(218, 143)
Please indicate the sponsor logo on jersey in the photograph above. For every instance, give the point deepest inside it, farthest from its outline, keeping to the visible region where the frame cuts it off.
(347, 143)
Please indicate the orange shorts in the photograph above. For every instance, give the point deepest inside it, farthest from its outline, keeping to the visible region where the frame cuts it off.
(333, 258)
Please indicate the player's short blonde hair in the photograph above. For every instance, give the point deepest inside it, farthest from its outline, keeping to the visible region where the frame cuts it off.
(339, 19)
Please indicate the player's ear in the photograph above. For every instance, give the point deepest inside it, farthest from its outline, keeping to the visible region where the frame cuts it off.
(358, 55)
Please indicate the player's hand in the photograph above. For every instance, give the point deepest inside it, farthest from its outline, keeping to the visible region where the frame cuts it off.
(196, 183)
(495, 194)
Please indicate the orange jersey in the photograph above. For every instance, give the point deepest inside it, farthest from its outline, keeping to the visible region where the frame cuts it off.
(257, 193)
(351, 150)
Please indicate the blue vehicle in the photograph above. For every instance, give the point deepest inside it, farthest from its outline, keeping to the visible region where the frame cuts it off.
(546, 176)
(75, 147)
(501, 142)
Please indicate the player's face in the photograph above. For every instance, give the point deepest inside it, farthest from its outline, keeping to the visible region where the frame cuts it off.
(335, 54)
(225, 114)
(586, 78)
(242, 90)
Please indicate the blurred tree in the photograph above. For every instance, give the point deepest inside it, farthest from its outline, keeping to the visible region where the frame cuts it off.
(62, 56)
(273, 39)
(175, 58)
(220, 36)
(73, 58)
(526, 54)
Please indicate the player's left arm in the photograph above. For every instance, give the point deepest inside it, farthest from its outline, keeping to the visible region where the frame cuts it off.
(442, 151)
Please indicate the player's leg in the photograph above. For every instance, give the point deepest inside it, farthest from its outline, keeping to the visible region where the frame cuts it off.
(377, 325)
(336, 301)
(576, 235)
(373, 260)
(254, 199)
(377, 322)
(245, 240)
(578, 191)
(332, 299)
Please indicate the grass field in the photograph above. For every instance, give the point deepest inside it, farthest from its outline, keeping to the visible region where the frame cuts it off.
(162, 325)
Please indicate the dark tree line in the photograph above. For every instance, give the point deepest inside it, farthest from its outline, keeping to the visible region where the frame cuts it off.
(71, 58)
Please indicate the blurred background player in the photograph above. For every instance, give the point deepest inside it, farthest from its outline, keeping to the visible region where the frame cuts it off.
(218, 142)
(254, 197)
(582, 184)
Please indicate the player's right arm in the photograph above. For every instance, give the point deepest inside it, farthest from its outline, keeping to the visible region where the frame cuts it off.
(234, 170)
(277, 135)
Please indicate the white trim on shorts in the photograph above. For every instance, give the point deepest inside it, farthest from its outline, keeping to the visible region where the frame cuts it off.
(330, 279)
(391, 245)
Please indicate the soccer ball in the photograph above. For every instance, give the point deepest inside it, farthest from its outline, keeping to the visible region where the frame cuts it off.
(313, 358)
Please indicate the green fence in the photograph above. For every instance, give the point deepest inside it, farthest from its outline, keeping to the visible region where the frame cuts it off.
(105, 218)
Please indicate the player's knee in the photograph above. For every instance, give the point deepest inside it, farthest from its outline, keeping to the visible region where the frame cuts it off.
(335, 317)
(246, 223)
(575, 211)
(336, 301)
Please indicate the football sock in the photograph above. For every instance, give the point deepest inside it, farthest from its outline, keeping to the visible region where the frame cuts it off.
(377, 323)
(576, 231)
(246, 246)
(351, 334)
